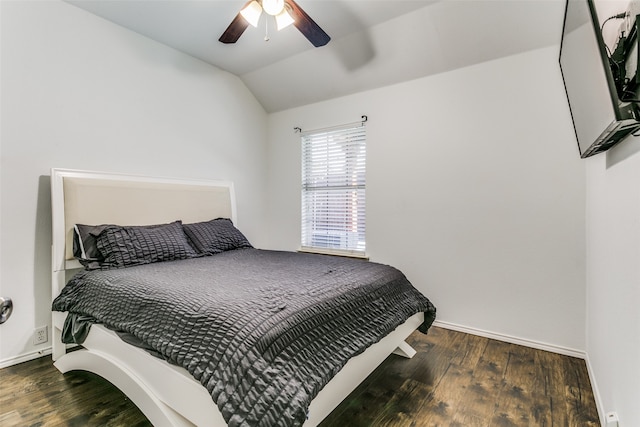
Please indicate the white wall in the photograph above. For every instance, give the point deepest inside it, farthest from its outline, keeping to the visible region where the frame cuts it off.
(490, 223)
(475, 190)
(80, 92)
(613, 267)
(613, 278)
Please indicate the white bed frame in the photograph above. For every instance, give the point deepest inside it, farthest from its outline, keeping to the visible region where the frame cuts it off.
(168, 395)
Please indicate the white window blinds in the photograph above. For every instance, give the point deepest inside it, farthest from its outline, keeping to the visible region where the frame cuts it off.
(333, 189)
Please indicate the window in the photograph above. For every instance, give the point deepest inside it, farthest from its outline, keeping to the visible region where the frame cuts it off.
(333, 190)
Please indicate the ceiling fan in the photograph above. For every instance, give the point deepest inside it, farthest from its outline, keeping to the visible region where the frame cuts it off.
(286, 12)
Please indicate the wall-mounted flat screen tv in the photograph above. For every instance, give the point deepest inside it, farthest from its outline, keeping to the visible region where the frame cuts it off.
(600, 118)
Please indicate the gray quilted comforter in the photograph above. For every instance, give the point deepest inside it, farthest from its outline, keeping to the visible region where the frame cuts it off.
(263, 331)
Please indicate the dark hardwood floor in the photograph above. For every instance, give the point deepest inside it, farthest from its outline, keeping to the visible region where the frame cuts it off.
(455, 379)
(462, 380)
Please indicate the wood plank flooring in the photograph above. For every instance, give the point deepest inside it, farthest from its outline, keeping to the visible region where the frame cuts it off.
(455, 380)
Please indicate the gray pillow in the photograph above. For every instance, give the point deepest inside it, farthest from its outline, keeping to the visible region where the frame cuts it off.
(123, 246)
(84, 245)
(215, 236)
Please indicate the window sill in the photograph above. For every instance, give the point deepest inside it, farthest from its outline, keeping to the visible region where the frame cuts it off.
(322, 251)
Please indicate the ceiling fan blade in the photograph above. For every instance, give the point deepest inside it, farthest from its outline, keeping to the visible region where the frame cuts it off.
(235, 29)
(307, 26)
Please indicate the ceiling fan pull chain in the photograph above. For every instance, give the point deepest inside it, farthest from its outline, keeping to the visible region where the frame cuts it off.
(266, 30)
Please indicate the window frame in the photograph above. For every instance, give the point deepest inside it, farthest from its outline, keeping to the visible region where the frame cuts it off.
(339, 179)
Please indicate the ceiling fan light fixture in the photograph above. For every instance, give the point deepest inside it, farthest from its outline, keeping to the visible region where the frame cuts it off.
(286, 12)
(273, 7)
(252, 13)
(284, 19)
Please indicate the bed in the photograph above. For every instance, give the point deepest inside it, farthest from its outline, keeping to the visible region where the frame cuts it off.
(165, 388)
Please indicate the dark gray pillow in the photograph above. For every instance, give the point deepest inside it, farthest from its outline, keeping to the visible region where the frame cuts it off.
(135, 245)
(215, 236)
(84, 245)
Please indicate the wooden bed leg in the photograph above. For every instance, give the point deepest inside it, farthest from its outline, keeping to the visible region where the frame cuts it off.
(404, 350)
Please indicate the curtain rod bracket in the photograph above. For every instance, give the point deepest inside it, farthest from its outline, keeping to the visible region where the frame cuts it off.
(297, 130)
(364, 119)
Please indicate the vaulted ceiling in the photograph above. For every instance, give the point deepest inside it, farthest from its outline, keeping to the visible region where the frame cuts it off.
(374, 42)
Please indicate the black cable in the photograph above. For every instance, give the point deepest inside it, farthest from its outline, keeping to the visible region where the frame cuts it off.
(622, 98)
(618, 16)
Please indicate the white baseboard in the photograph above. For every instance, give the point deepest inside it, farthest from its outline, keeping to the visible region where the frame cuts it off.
(24, 357)
(513, 340)
(596, 392)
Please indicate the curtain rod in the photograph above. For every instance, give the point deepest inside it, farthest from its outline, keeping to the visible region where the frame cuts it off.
(364, 118)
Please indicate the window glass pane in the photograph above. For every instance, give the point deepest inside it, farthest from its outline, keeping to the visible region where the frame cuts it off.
(333, 189)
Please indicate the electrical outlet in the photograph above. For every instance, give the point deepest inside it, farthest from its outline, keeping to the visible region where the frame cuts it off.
(611, 420)
(40, 335)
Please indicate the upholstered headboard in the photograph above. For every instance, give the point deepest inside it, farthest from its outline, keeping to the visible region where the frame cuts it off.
(82, 197)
